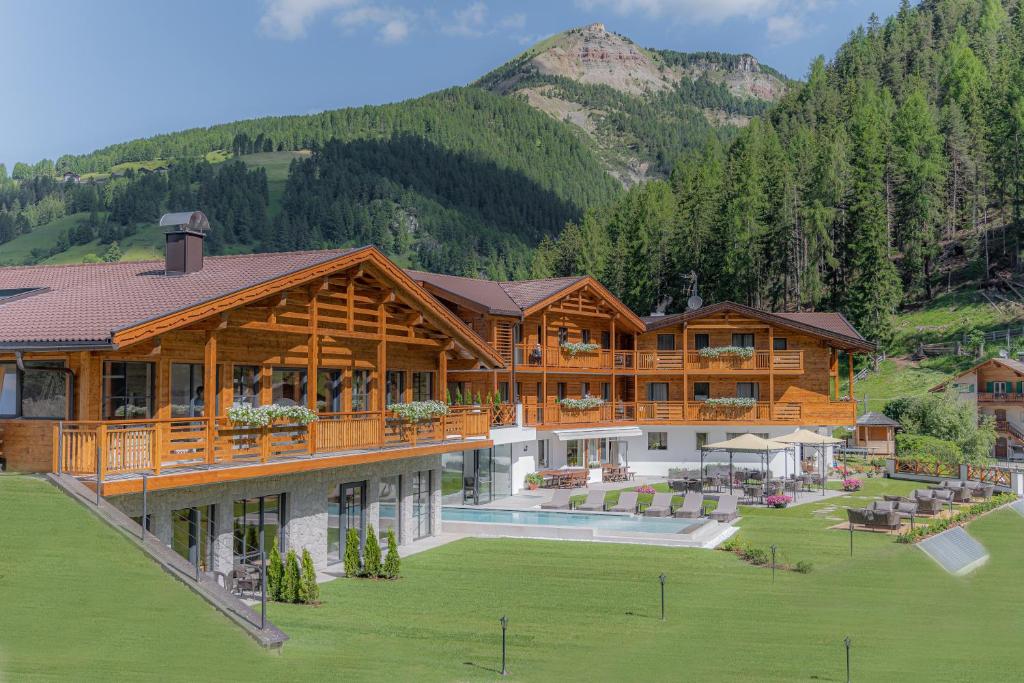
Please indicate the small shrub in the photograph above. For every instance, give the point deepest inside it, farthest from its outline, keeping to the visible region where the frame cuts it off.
(804, 567)
(754, 555)
(371, 554)
(352, 563)
(275, 572)
(730, 546)
(290, 584)
(309, 590)
(392, 562)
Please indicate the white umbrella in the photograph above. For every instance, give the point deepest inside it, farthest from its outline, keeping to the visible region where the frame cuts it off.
(805, 437)
(744, 443)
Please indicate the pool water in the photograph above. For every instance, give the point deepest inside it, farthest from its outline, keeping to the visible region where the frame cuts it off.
(652, 525)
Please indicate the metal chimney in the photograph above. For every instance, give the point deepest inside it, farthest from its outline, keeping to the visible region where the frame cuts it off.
(184, 242)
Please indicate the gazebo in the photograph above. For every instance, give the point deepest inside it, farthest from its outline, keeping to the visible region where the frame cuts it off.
(744, 443)
(805, 437)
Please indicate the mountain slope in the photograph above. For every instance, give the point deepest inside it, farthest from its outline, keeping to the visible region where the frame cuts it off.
(643, 107)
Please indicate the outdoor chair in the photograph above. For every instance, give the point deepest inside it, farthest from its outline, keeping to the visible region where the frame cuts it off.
(984, 491)
(661, 506)
(861, 516)
(897, 499)
(906, 510)
(945, 495)
(245, 577)
(752, 492)
(561, 499)
(962, 494)
(726, 510)
(692, 507)
(927, 503)
(627, 502)
(593, 503)
(678, 485)
(881, 506)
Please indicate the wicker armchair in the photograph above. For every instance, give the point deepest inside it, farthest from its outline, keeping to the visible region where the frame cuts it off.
(860, 516)
(927, 503)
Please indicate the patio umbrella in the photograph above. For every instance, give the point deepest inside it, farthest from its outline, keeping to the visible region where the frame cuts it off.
(805, 437)
(744, 443)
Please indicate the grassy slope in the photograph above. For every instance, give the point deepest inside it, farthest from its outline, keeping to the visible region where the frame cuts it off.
(574, 608)
(946, 318)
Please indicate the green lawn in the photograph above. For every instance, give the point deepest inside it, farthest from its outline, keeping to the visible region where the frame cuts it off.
(79, 603)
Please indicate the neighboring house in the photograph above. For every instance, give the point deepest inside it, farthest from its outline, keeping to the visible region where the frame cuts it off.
(131, 369)
(72, 177)
(995, 387)
(877, 433)
(657, 389)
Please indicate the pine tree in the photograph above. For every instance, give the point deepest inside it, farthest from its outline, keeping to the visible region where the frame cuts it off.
(290, 582)
(275, 572)
(351, 561)
(309, 589)
(371, 560)
(392, 563)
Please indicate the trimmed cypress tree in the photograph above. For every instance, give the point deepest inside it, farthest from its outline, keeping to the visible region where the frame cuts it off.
(371, 554)
(275, 572)
(392, 562)
(458, 396)
(309, 590)
(290, 584)
(448, 396)
(352, 564)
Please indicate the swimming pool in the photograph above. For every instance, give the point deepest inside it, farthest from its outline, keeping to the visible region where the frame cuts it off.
(650, 525)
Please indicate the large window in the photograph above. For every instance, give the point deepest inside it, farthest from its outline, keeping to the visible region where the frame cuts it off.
(188, 395)
(780, 343)
(360, 390)
(193, 533)
(585, 336)
(245, 385)
(657, 391)
(702, 440)
(422, 504)
(256, 518)
(701, 391)
(288, 386)
(41, 391)
(394, 389)
(389, 504)
(701, 341)
(562, 390)
(542, 454)
(127, 390)
(744, 339)
(748, 390)
(657, 441)
(563, 335)
(666, 342)
(328, 391)
(346, 509)
(422, 386)
(574, 453)
(606, 339)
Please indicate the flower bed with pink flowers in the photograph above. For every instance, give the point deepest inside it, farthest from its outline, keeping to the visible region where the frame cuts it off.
(778, 501)
(645, 488)
(852, 484)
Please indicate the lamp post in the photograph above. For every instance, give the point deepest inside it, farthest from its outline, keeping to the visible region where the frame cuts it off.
(846, 642)
(145, 510)
(773, 549)
(851, 538)
(662, 580)
(504, 628)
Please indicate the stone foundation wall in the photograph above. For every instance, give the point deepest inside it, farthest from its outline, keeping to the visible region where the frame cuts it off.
(306, 513)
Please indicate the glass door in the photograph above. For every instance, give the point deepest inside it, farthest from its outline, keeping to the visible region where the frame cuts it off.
(484, 475)
(422, 519)
(353, 512)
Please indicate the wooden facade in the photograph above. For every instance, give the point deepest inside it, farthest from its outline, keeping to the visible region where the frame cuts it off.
(356, 324)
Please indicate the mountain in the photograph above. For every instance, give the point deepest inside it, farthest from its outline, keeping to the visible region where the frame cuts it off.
(467, 180)
(642, 107)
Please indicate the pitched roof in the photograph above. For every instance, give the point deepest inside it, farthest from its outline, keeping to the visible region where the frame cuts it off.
(87, 303)
(1010, 363)
(874, 419)
(486, 293)
(834, 326)
(528, 293)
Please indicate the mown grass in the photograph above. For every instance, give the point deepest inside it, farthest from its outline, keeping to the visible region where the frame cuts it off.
(80, 604)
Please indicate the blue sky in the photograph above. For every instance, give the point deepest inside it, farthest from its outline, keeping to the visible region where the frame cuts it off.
(81, 75)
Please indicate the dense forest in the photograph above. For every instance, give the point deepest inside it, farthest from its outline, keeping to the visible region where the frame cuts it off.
(896, 169)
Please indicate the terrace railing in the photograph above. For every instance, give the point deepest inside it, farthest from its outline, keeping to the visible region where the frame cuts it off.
(133, 446)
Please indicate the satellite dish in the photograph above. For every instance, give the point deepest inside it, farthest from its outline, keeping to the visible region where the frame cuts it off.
(694, 302)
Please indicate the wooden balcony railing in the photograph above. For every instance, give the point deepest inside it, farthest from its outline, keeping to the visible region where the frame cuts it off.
(662, 411)
(994, 397)
(503, 415)
(648, 360)
(124, 447)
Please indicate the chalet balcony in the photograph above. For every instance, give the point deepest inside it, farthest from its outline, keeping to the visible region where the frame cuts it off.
(556, 358)
(1000, 397)
(668, 412)
(129, 448)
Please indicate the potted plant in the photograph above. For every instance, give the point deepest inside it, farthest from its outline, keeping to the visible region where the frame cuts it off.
(594, 464)
(534, 480)
(852, 484)
(780, 501)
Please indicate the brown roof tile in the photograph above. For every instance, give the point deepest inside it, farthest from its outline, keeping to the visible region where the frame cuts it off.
(86, 303)
(486, 293)
(528, 293)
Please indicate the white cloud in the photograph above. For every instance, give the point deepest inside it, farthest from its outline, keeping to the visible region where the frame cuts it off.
(785, 29)
(689, 11)
(392, 25)
(469, 21)
(513, 21)
(288, 19)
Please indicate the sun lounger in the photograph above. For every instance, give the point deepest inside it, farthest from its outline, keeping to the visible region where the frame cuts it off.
(627, 502)
(726, 510)
(560, 500)
(692, 506)
(593, 503)
(661, 506)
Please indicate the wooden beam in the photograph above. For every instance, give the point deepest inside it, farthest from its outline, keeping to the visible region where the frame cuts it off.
(210, 390)
(414, 319)
(771, 373)
(849, 359)
(382, 362)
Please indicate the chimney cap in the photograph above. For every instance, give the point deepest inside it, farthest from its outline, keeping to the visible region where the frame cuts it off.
(186, 221)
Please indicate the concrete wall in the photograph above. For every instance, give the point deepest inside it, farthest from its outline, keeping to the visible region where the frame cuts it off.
(305, 504)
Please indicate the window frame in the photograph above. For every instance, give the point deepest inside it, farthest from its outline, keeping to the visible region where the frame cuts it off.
(701, 340)
(657, 441)
(669, 342)
(705, 395)
(106, 397)
(780, 344)
(58, 365)
(742, 339)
